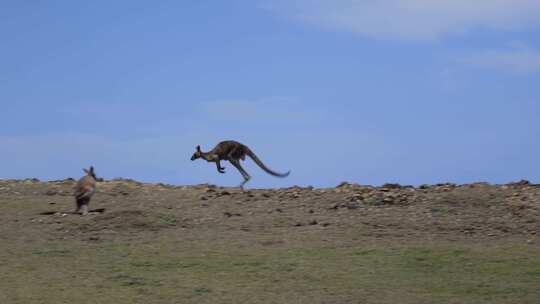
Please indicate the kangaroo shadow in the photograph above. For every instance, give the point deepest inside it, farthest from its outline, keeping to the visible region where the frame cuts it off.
(99, 210)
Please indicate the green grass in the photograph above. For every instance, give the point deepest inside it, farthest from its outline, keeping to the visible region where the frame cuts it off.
(173, 271)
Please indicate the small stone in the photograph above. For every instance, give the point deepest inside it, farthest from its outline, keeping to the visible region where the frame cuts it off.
(388, 199)
(352, 206)
(313, 222)
(51, 192)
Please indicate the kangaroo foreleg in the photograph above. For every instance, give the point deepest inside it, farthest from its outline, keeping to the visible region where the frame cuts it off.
(219, 167)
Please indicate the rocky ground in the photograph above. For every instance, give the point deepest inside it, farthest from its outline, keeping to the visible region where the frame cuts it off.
(38, 214)
(446, 211)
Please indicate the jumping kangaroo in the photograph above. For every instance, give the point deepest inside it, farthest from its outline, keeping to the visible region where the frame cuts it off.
(84, 189)
(233, 151)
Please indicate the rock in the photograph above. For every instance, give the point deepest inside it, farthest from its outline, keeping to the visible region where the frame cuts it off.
(203, 198)
(348, 205)
(403, 199)
(522, 182)
(392, 186)
(356, 197)
(352, 205)
(313, 222)
(388, 200)
(51, 192)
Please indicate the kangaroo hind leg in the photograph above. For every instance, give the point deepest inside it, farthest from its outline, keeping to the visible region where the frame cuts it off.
(245, 175)
(82, 205)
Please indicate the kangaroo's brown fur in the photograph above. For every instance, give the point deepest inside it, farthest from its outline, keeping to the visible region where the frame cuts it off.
(233, 151)
(84, 189)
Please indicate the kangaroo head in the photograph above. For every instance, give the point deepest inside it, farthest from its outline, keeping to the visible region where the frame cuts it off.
(197, 153)
(90, 172)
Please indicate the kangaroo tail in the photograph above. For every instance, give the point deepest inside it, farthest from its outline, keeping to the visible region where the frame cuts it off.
(264, 167)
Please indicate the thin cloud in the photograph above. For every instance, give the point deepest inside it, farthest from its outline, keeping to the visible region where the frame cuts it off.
(518, 59)
(412, 19)
(266, 111)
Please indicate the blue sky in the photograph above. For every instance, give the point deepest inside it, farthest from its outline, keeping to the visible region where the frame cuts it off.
(368, 92)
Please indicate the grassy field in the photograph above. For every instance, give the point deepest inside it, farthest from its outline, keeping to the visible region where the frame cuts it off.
(165, 270)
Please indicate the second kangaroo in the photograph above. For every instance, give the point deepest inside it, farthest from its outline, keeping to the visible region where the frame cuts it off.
(84, 189)
(233, 151)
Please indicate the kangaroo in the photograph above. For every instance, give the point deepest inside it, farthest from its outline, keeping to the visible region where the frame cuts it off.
(233, 151)
(84, 189)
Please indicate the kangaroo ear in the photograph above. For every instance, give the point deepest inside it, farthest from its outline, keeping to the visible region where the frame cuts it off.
(199, 148)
